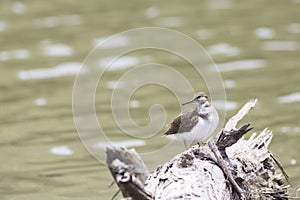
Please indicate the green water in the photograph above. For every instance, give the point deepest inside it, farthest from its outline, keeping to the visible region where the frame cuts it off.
(36, 114)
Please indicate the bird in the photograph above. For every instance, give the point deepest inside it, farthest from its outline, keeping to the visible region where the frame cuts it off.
(197, 124)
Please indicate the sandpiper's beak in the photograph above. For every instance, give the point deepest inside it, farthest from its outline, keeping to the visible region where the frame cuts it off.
(188, 102)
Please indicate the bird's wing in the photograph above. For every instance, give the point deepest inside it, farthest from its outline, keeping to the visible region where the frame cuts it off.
(183, 123)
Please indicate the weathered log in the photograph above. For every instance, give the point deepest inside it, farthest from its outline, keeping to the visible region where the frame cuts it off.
(129, 172)
(226, 167)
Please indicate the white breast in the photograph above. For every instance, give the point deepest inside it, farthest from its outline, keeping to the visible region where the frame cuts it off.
(201, 131)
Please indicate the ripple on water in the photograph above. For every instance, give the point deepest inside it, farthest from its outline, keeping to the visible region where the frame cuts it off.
(134, 104)
(293, 161)
(125, 143)
(64, 69)
(54, 21)
(56, 50)
(114, 42)
(225, 105)
(229, 83)
(280, 46)
(114, 84)
(264, 33)
(290, 98)
(121, 63)
(240, 65)
(294, 28)
(224, 49)
(170, 22)
(152, 12)
(19, 54)
(3, 26)
(18, 8)
(40, 101)
(289, 129)
(61, 150)
(204, 34)
(216, 4)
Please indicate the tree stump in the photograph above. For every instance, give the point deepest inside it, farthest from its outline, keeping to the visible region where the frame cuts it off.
(226, 167)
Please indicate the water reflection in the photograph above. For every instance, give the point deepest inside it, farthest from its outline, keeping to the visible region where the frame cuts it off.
(294, 28)
(64, 69)
(61, 150)
(121, 63)
(290, 98)
(264, 33)
(56, 50)
(170, 22)
(152, 12)
(3, 26)
(223, 49)
(241, 65)
(280, 46)
(117, 41)
(124, 143)
(19, 54)
(54, 21)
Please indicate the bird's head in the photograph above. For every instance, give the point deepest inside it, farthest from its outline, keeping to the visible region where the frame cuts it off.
(200, 98)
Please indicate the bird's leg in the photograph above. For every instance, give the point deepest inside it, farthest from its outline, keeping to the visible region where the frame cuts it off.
(185, 145)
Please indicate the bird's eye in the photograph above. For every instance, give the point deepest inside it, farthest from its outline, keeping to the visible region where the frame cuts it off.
(198, 97)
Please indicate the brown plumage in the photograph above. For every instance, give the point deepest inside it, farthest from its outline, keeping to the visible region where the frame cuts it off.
(185, 122)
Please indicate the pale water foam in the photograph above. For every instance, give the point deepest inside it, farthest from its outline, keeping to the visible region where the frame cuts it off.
(64, 69)
(61, 151)
(240, 65)
(280, 46)
(290, 98)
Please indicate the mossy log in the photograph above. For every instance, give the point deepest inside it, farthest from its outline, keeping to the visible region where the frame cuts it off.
(226, 167)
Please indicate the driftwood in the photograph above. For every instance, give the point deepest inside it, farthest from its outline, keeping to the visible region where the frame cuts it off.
(226, 167)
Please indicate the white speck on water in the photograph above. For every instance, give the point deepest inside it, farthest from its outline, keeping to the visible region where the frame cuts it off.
(291, 98)
(71, 20)
(240, 65)
(57, 50)
(114, 84)
(54, 21)
(229, 84)
(4, 56)
(64, 69)
(288, 129)
(293, 162)
(171, 22)
(47, 22)
(111, 42)
(126, 143)
(285, 129)
(152, 12)
(18, 8)
(204, 34)
(280, 46)
(3, 26)
(134, 104)
(40, 101)
(224, 105)
(123, 62)
(216, 4)
(61, 150)
(224, 49)
(21, 54)
(264, 33)
(294, 28)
